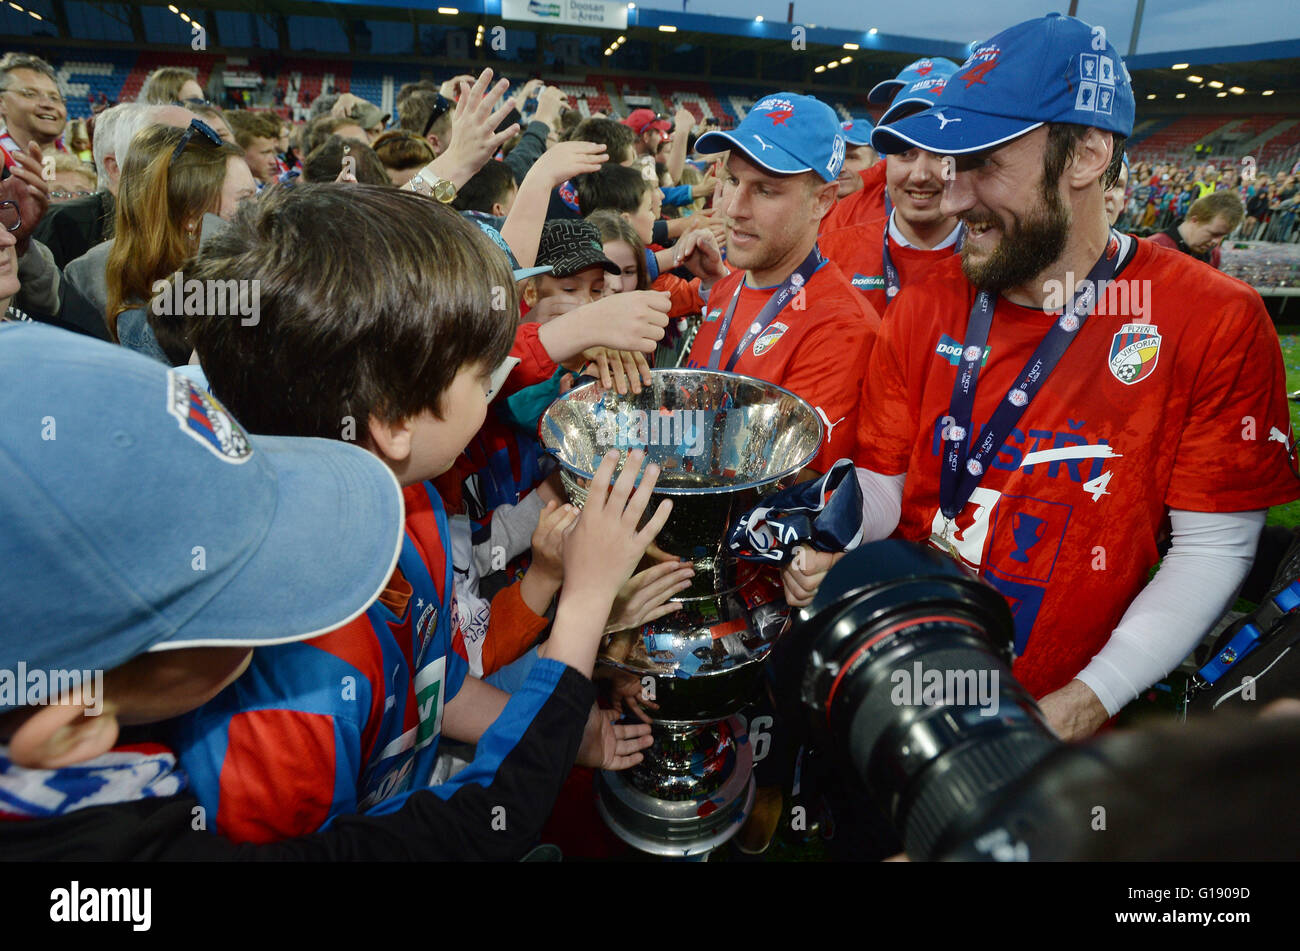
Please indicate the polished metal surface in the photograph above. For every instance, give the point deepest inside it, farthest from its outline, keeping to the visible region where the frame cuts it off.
(685, 826)
(723, 442)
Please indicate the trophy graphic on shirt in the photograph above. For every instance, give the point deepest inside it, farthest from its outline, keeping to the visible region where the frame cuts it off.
(722, 442)
(1028, 531)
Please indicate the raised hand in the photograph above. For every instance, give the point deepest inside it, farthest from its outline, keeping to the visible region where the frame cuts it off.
(600, 553)
(474, 139)
(566, 160)
(698, 251)
(645, 596)
(26, 186)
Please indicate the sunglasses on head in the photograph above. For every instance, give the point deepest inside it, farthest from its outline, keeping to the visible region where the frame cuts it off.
(199, 127)
(440, 106)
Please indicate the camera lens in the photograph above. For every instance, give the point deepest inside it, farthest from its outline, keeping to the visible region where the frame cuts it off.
(901, 670)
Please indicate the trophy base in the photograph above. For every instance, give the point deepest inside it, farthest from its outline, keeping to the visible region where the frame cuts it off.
(681, 828)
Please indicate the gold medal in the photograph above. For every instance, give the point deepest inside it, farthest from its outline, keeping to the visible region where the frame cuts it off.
(944, 540)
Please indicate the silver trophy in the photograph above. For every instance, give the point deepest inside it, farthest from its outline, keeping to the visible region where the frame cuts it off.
(722, 442)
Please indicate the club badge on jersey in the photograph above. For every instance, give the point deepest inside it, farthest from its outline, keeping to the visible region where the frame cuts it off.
(1134, 352)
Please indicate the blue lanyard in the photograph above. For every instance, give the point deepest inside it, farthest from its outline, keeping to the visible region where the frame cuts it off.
(775, 304)
(955, 485)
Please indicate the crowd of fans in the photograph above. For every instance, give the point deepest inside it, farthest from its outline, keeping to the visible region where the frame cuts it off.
(1159, 195)
(414, 290)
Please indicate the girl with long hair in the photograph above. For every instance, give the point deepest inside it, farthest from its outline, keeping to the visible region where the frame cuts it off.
(172, 178)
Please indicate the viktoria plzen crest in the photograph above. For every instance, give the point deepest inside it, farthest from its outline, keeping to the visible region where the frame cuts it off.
(1134, 352)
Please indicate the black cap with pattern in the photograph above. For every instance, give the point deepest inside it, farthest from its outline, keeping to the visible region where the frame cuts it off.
(570, 246)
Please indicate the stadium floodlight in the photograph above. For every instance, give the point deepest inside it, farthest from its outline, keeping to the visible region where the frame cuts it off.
(621, 39)
(667, 28)
(851, 46)
(846, 59)
(631, 6)
(832, 64)
(448, 11)
(1181, 95)
(1151, 95)
(170, 6)
(185, 17)
(1267, 92)
(33, 14)
(873, 31)
(1220, 95)
(1215, 84)
(1236, 89)
(1179, 66)
(1195, 79)
(758, 19)
(820, 69)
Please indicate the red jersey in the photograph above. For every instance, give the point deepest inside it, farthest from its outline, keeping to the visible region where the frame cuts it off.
(858, 251)
(862, 207)
(817, 350)
(1171, 396)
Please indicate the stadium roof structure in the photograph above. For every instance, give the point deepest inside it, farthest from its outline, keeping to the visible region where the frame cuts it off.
(654, 43)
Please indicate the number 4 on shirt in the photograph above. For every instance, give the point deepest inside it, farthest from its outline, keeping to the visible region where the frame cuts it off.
(1098, 485)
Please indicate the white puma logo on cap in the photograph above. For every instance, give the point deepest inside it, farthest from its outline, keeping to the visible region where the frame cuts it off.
(761, 142)
(944, 120)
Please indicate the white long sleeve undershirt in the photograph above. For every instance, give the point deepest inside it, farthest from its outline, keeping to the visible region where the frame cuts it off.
(1210, 556)
(882, 503)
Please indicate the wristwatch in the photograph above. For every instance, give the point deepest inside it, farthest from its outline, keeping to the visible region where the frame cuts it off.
(441, 189)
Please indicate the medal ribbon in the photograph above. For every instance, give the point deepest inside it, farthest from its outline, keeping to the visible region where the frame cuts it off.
(961, 470)
(775, 304)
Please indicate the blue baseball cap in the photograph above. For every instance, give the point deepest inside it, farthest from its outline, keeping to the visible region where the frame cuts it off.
(139, 516)
(1051, 69)
(785, 133)
(883, 93)
(921, 93)
(857, 131)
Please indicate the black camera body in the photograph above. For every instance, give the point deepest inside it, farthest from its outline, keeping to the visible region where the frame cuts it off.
(900, 672)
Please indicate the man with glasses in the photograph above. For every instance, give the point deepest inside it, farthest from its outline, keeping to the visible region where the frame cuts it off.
(31, 105)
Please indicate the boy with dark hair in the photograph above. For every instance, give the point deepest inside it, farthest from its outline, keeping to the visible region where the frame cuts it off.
(392, 349)
(617, 139)
(491, 192)
(621, 189)
(155, 636)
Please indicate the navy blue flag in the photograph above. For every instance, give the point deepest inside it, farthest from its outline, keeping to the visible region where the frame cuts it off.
(825, 514)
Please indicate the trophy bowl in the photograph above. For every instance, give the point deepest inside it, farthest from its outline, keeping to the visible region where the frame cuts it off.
(722, 441)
